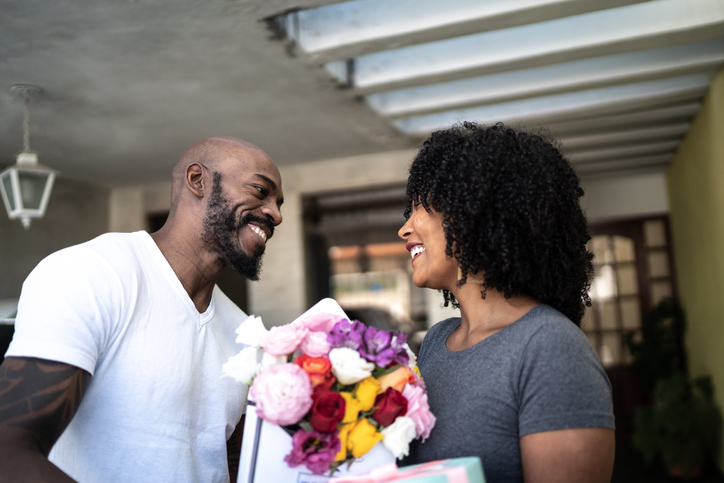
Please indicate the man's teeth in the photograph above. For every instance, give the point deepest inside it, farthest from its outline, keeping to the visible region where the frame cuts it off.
(258, 231)
(417, 250)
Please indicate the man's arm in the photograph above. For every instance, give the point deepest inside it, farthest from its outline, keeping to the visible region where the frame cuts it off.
(38, 398)
(233, 449)
(568, 456)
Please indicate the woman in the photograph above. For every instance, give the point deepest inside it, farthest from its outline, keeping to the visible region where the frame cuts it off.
(494, 222)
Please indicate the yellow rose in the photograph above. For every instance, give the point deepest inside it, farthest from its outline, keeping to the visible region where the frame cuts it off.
(352, 407)
(396, 379)
(344, 430)
(367, 391)
(362, 437)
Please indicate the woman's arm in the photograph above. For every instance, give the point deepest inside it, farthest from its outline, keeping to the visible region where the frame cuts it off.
(568, 456)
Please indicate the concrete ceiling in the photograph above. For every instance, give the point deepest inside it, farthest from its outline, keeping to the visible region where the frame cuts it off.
(129, 85)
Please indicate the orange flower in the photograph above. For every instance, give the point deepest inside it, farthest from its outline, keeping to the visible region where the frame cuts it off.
(397, 379)
(319, 370)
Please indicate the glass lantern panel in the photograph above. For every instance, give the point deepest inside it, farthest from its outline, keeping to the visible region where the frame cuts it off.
(8, 187)
(32, 187)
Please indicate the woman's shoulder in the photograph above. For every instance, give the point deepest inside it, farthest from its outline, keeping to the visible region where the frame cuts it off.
(544, 319)
(444, 327)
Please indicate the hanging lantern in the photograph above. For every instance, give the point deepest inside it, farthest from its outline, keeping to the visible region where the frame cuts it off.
(26, 185)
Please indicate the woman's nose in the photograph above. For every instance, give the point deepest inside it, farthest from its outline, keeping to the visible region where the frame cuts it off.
(405, 231)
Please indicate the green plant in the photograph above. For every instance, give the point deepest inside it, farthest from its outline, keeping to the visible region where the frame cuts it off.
(657, 350)
(683, 425)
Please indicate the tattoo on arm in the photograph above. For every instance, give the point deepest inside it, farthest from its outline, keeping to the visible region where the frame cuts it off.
(40, 397)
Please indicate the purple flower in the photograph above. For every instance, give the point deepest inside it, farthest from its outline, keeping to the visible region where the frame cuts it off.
(399, 344)
(314, 450)
(377, 346)
(346, 334)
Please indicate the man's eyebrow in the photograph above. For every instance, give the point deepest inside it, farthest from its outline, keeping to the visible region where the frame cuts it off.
(267, 179)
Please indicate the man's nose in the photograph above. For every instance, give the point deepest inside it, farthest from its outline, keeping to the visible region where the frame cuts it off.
(272, 212)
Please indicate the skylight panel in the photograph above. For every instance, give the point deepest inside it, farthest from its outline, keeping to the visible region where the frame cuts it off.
(698, 20)
(576, 75)
(673, 90)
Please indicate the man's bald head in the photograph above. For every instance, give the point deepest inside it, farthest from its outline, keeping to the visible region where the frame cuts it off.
(214, 154)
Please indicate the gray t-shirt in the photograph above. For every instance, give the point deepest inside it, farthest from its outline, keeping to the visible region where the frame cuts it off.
(538, 374)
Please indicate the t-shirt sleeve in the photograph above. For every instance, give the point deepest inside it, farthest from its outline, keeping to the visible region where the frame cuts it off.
(66, 312)
(562, 383)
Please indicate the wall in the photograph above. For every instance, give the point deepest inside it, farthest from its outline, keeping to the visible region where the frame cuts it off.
(76, 212)
(696, 193)
(279, 296)
(633, 195)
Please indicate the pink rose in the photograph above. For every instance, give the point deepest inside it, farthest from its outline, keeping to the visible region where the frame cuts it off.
(315, 344)
(283, 339)
(283, 394)
(319, 322)
(418, 410)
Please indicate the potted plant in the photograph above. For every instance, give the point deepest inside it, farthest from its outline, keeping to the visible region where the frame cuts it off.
(683, 425)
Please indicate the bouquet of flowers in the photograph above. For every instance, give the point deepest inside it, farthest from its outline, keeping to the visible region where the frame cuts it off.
(337, 386)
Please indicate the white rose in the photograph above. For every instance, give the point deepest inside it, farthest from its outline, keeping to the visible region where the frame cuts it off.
(397, 436)
(269, 360)
(412, 362)
(348, 366)
(250, 331)
(243, 366)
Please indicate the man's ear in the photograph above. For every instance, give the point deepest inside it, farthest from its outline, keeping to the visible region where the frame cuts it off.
(196, 179)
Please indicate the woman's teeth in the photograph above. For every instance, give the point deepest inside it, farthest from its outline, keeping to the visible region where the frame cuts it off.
(259, 232)
(417, 250)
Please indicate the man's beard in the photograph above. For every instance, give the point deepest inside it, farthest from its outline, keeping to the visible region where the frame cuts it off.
(221, 234)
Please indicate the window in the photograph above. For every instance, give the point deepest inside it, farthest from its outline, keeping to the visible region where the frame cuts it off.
(633, 272)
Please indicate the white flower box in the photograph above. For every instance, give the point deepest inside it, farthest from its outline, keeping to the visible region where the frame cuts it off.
(265, 445)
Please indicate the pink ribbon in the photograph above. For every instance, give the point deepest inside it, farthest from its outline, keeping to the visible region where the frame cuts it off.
(390, 472)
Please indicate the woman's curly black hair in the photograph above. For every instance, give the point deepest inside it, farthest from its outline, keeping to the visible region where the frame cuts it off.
(510, 206)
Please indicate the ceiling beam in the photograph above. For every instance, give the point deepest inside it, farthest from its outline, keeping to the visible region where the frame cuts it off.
(653, 24)
(626, 98)
(707, 56)
(356, 28)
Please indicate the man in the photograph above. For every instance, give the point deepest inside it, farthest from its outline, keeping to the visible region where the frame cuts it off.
(114, 373)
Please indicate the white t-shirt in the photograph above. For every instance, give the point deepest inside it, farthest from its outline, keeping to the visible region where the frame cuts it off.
(157, 408)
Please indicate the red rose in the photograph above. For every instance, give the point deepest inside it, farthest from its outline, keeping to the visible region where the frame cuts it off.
(319, 370)
(327, 411)
(389, 404)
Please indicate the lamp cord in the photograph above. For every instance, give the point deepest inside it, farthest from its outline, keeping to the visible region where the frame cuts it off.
(26, 124)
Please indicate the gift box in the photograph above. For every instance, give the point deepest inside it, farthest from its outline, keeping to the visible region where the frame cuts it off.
(265, 445)
(455, 470)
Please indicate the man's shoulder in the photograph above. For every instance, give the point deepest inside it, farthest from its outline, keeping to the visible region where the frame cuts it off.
(117, 252)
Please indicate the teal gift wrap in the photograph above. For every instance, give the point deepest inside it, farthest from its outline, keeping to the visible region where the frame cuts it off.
(454, 470)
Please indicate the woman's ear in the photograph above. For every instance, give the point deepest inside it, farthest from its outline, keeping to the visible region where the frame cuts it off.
(195, 178)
